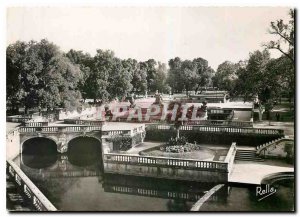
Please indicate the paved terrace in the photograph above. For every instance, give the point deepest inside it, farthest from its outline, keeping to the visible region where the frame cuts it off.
(254, 173)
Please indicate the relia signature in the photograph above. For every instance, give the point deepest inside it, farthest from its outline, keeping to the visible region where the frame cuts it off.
(265, 191)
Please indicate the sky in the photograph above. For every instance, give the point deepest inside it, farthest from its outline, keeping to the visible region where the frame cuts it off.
(216, 34)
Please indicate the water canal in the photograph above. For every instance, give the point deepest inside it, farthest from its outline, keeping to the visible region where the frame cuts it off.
(75, 183)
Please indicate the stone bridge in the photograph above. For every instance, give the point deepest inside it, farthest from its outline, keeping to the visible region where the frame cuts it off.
(61, 135)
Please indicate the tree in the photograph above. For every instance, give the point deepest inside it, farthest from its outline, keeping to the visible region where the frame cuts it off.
(15, 57)
(173, 77)
(103, 64)
(119, 80)
(260, 78)
(285, 45)
(85, 63)
(226, 76)
(160, 78)
(45, 77)
(138, 74)
(285, 33)
(188, 75)
(204, 73)
(150, 67)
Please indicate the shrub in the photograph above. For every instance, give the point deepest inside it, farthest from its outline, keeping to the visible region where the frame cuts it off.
(121, 142)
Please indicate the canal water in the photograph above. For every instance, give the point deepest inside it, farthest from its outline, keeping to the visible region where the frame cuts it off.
(77, 183)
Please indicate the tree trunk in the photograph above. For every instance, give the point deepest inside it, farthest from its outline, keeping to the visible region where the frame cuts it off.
(26, 110)
(197, 88)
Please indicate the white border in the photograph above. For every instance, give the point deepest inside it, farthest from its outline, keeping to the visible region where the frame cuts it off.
(113, 3)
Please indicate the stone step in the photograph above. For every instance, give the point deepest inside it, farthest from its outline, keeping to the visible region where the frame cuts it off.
(247, 155)
(244, 158)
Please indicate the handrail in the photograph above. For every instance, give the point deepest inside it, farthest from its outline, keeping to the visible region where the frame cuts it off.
(230, 156)
(75, 128)
(84, 122)
(165, 161)
(266, 145)
(223, 129)
(221, 123)
(37, 124)
(39, 200)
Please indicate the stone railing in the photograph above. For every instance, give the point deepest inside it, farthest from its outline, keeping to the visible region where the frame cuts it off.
(38, 199)
(116, 132)
(84, 122)
(165, 161)
(36, 124)
(221, 129)
(229, 159)
(270, 145)
(221, 123)
(52, 129)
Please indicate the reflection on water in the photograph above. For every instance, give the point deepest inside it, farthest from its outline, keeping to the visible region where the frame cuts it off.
(75, 182)
(39, 161)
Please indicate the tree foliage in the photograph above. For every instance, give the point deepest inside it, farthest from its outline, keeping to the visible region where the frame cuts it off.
(39, 75)
(189, 75)
(226, 76)
(285, 33)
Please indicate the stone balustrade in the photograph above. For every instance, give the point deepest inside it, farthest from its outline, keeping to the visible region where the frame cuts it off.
(165, 161)
(84, 122)
(36, 124)
(220, 123)
(52, 129)
(37, 198)
(221, 129)
(269, 146)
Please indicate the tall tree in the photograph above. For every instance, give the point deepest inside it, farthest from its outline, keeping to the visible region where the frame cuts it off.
(260, 78)
(173, 78)
(15, 57)
(226, 76)
(150, 67)
(85, 63)
(138, 74)
(160, 78)
(119, 81)
(44, 75)
(204, 73)
(285, 33)
(98, 79)
(285, 42)
(188, 75)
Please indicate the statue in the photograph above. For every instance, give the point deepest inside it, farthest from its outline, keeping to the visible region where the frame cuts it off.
(158, 98)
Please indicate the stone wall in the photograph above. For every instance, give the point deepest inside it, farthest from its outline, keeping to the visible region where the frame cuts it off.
(12, 144)
(166, 172)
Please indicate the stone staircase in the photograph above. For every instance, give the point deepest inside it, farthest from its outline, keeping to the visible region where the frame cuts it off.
(247, 155)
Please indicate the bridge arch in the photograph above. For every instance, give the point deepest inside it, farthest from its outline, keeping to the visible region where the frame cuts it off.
(38, 143)
(39, 152)
(84, 151)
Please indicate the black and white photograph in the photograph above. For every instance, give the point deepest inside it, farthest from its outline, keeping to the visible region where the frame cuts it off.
(150, 109)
